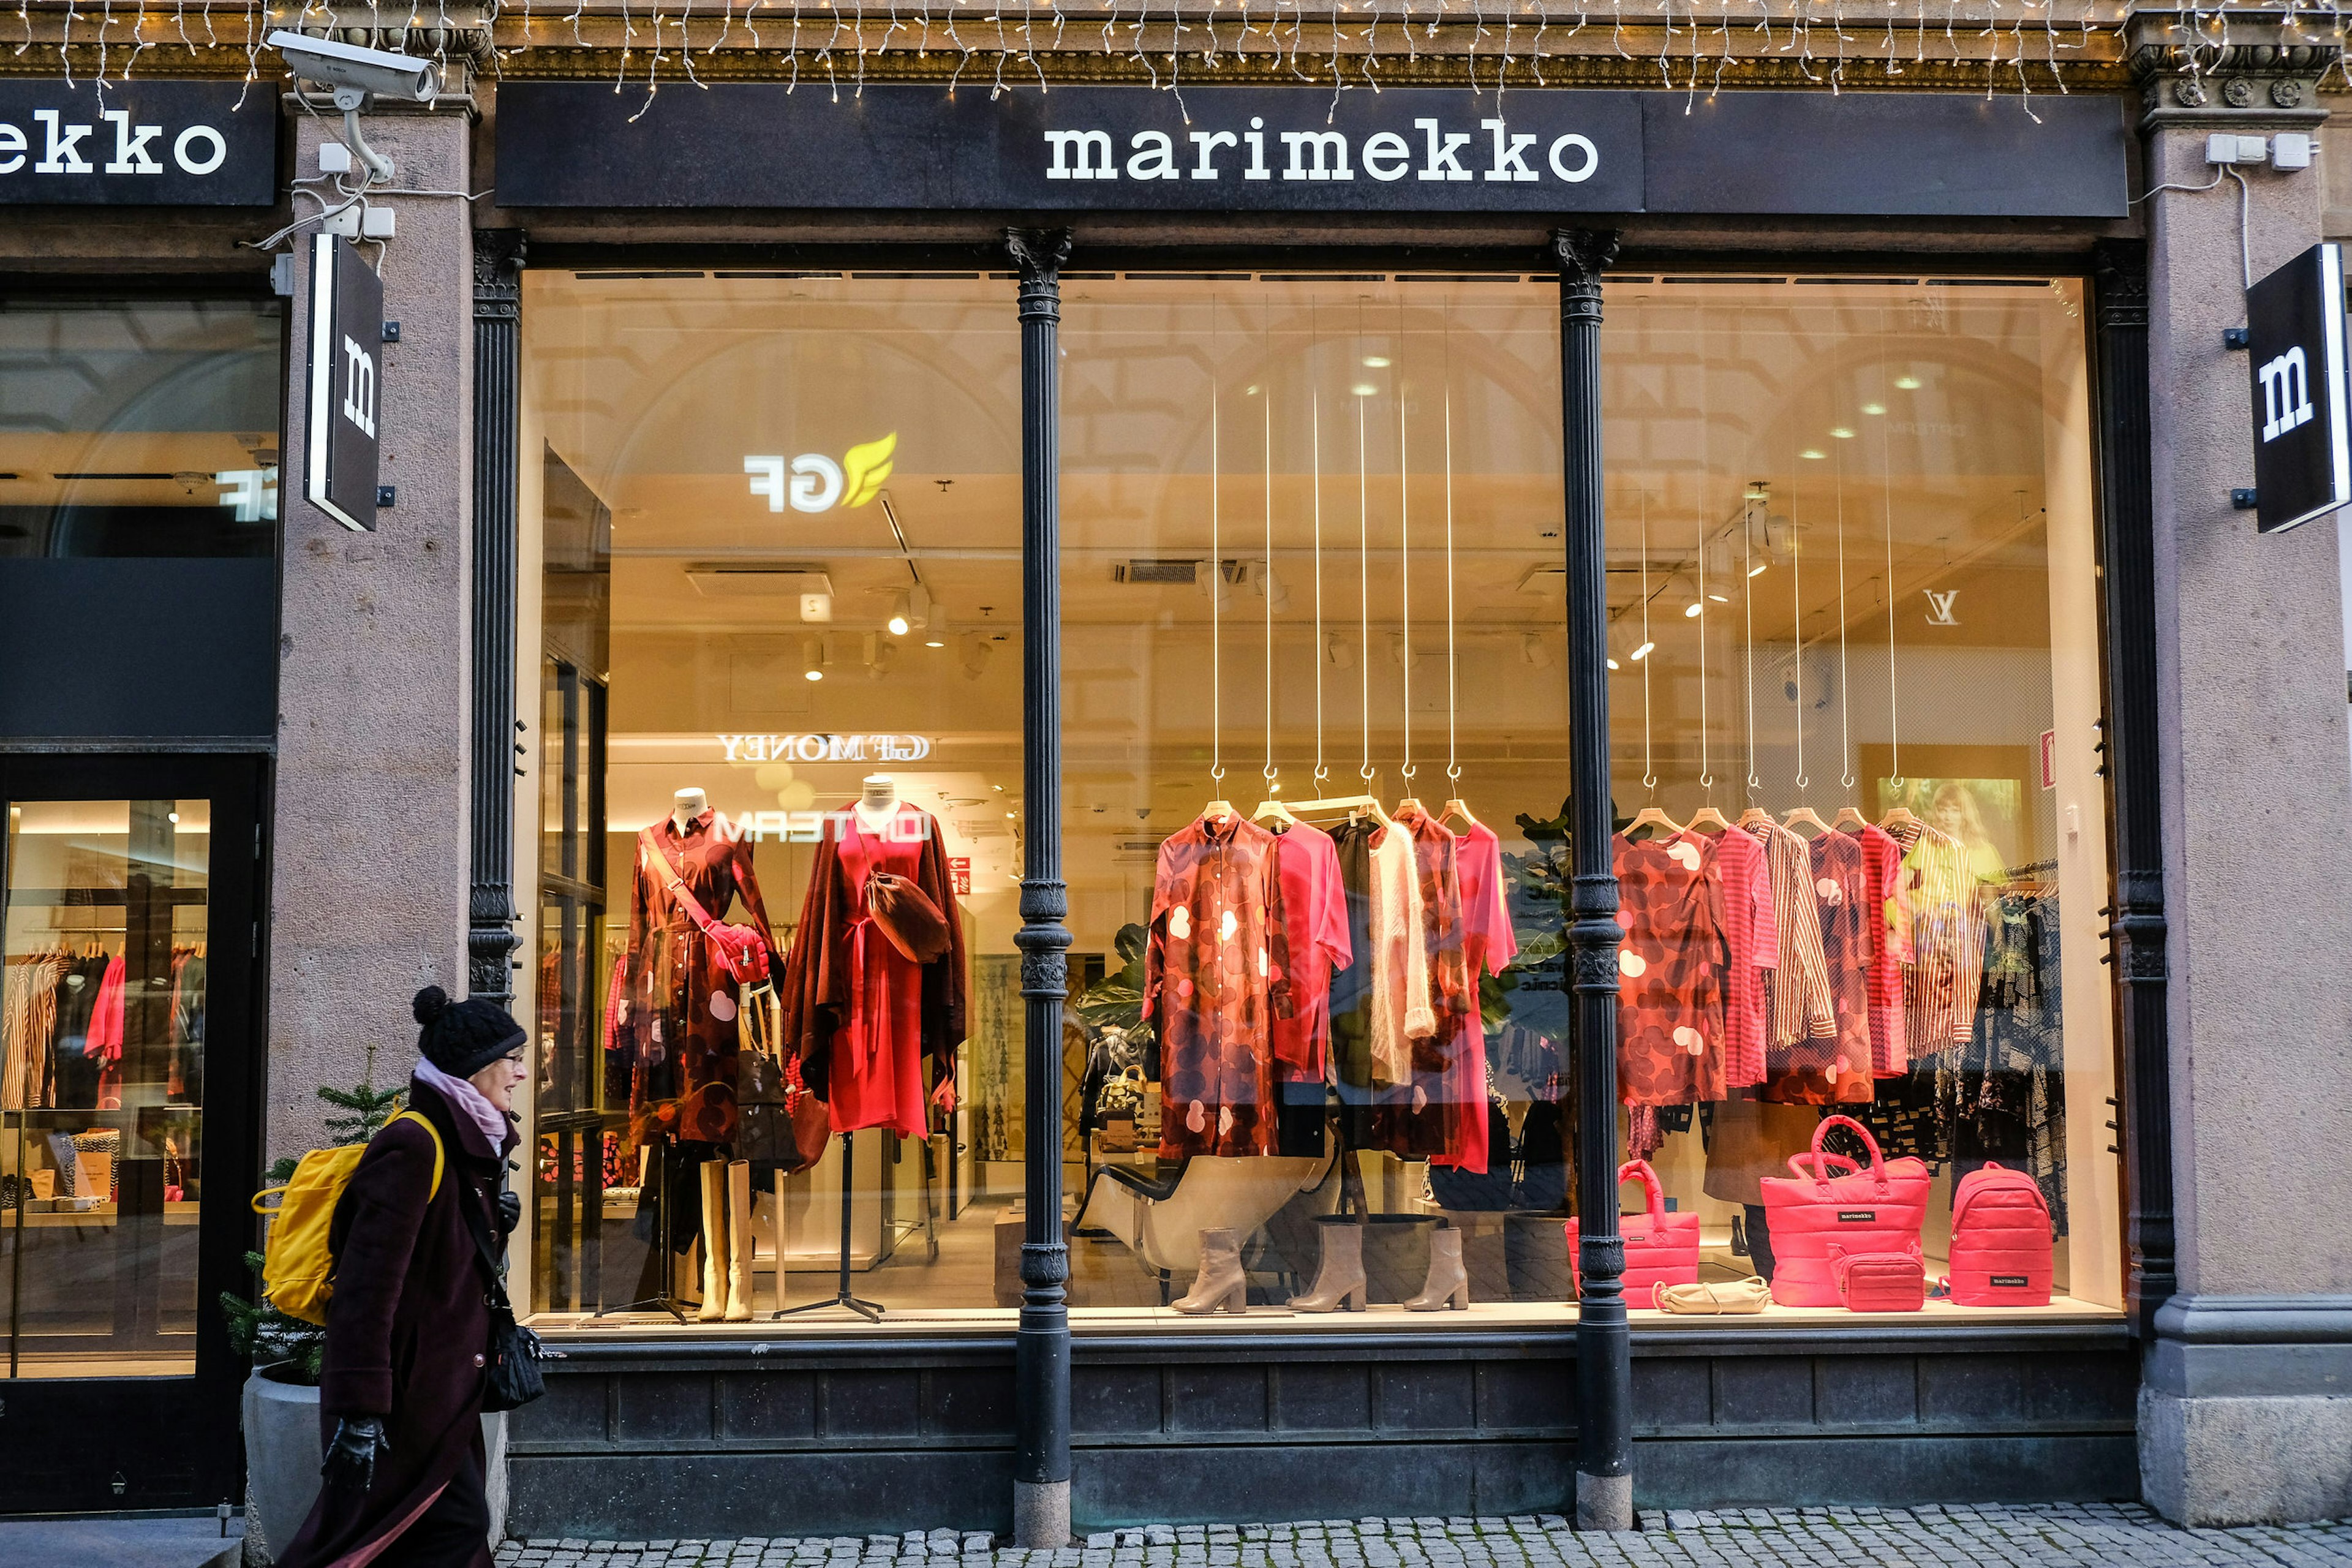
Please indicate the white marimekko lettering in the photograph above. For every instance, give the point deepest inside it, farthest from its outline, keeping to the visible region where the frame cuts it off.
(130, 152)
(1322, 141)
(205, 166)
(1510, 161)
(1081, 155)
(1444, 161)
(12, 141)
(1153, 157)
(61, 158)
(1386, 155)
(1208, 141)
(1583, 172)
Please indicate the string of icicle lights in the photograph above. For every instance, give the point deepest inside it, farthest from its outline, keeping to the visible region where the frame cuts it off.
(1696, 47)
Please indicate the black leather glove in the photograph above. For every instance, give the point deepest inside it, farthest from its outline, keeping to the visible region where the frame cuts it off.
(351, 1457)
(509, 1211)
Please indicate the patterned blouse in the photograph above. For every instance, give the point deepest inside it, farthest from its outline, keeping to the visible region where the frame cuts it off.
(1215, 978)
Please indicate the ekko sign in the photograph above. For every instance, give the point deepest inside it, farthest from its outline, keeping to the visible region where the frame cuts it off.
(1258, 149)
(138, 144)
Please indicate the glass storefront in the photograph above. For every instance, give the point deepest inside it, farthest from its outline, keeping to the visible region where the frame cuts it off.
(1315, 717)
(145, 428)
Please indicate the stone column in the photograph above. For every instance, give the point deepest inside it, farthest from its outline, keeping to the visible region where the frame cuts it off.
(371, 841)
(2246, 1412)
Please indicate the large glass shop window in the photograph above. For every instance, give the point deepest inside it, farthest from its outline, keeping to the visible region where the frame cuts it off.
(1313, 679)
(140, 428)
(1864, 1040)
(777, 798)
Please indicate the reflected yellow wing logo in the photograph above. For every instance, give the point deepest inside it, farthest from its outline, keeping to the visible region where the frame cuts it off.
(864, 467)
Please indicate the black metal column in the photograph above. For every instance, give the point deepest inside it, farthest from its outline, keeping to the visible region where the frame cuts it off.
(2135, 911)
(1604, 1370)
(490, 938)
(1041, 1474)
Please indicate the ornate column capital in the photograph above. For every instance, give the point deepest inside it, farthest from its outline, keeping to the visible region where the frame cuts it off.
(2253, 70)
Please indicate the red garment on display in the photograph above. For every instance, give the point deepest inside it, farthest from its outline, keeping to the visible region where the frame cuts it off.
(105, 1046)
(1489, 942)
(860, 1014)
(1315, 934)
(682, 1001)
(1889, 927)
(1753, 934)
(1430, 1118)
(1670, 992)
(1216, 975)
(1834, 1069)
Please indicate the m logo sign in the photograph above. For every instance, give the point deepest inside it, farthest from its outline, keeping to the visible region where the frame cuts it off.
(346, 351)
(2287, 394)
(2294, 330)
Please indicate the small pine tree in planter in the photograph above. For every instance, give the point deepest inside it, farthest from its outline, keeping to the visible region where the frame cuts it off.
(281, 1398)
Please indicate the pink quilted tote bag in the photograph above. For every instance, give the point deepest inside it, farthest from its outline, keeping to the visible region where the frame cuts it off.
(1827, 1198)
(1661, 1249)
(2000, 1240)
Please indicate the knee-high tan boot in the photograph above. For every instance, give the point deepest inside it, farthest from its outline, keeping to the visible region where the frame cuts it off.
(714, 1241)
(740, 1253)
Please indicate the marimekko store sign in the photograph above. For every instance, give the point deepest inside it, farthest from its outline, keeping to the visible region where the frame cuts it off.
(1231, 149)
(139, 142)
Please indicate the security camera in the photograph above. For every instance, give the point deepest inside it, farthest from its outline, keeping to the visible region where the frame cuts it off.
(349, 67)
(353, 73)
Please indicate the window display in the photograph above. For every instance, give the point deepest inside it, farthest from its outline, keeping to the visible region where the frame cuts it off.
(1316, 1056)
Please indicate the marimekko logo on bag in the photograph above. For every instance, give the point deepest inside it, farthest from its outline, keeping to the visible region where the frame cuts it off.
(2014, 1281)
(1857, 1217)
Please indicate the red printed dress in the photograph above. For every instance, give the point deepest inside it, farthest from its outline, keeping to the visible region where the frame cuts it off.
(1215, 978)
(681, 999)
(1670, 965)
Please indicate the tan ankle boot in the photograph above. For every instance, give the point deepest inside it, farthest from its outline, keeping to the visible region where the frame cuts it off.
(740, 1254)
(1221, 1282)
(714, 1241)
(1449, 1282)
(1341, 1276)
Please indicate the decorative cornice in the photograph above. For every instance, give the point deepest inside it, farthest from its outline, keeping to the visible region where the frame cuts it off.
(2254, 71)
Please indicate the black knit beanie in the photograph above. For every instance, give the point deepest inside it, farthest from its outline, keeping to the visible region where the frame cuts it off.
(461, 1039)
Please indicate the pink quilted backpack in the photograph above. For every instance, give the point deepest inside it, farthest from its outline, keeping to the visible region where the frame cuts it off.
(2000, 1240)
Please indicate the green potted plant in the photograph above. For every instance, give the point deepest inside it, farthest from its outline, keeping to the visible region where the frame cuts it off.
(282, 1451)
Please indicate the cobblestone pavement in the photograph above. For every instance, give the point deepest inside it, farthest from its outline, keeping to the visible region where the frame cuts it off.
(2039, 1536)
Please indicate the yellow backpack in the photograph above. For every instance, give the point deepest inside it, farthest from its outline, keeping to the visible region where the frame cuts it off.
(298, 1270)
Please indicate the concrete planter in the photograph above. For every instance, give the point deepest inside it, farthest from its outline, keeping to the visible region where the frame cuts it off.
(282, 1455)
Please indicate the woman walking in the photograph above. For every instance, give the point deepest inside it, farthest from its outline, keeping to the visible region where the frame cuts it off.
(400, 1395)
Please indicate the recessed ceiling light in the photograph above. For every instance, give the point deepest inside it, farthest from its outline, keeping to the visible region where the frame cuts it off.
(1364, 389)
(1873, 409)
(1692, 608)
(1376, 361)
(1841, 433)
(1643, 651)
(1758, 570)
(1907, 383)
(1812, 453)
(813, 674)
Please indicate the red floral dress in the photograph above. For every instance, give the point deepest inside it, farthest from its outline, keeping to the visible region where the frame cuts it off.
(1670, 966)
(682, 1001)
(1215, 978)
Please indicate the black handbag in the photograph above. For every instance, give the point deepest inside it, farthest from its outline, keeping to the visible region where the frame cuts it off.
(511, 1377)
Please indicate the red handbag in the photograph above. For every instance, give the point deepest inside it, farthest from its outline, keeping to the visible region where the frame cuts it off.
(2000, 1240)
(1828, 1204)
(741, 949)
(1661, 1249)
(1880, 1282)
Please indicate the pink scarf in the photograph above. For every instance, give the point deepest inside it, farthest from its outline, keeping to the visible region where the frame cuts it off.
(467, 1098)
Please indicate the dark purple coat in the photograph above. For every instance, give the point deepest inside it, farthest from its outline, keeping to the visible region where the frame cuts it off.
(406, 1329)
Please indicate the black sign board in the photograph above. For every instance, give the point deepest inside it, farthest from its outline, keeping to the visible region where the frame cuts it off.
(1273, 149)
(346, 374)
(2295, 337)
(141, 142)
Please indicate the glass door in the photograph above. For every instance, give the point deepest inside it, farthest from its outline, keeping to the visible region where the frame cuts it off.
(127, 924)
